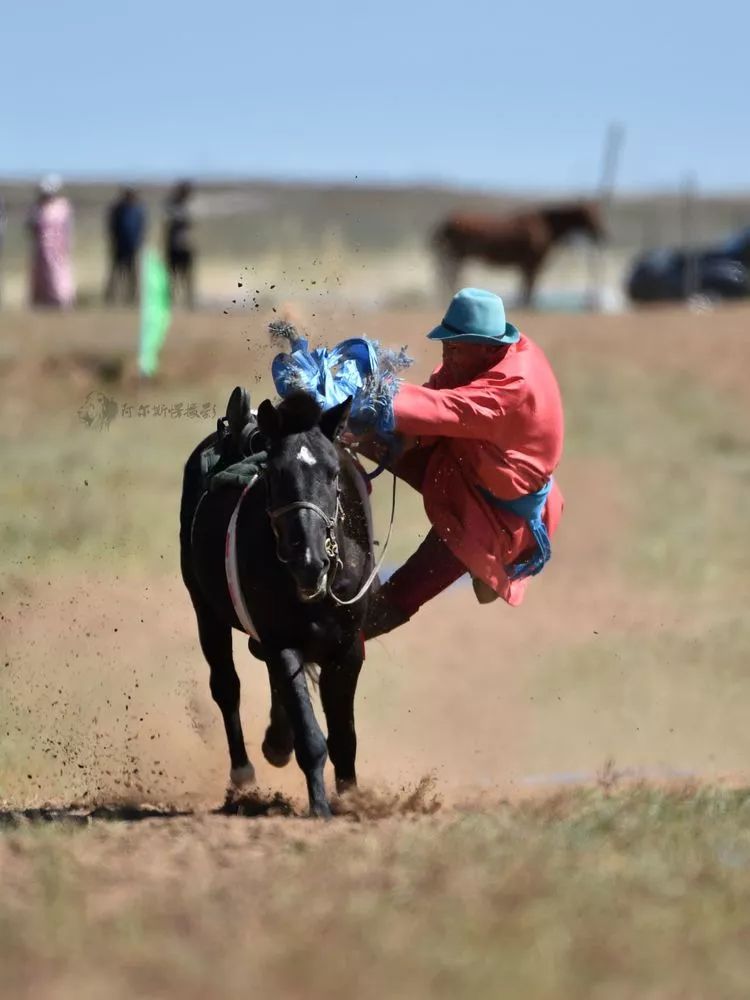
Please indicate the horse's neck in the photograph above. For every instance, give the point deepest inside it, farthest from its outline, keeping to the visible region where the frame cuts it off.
(562, 222)
(354, 477)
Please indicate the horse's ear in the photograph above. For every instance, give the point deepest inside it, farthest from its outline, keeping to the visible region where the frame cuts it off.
(269, 423)
(334, 420)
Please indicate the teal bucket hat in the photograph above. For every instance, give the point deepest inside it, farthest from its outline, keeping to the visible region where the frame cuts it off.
(476, 316)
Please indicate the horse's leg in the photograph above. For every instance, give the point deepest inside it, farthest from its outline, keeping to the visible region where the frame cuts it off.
(216, 643)
(287, 671)
(448, 267)
(529, 274)
(278, 743)
(338, 684)
(455, 279)
(452, 274)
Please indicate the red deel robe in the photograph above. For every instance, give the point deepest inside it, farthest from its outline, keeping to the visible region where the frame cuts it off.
(502, 430)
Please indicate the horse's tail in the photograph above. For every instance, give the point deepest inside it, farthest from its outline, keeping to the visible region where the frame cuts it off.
(312, 672)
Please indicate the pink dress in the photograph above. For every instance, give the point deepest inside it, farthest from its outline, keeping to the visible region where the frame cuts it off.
(52, 282)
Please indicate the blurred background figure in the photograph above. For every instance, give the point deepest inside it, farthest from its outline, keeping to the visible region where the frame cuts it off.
(126, 228)
(179, 249)
(3, 223)
(51, 228)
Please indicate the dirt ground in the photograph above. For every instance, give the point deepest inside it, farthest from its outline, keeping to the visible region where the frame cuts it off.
(629, 655)
(454, 690)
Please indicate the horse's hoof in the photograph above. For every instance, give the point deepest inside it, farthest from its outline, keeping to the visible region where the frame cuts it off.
(320, 810)
(274, 756)
(243, 776)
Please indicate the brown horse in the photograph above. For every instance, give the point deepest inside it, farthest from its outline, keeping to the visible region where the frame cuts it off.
(521, 240)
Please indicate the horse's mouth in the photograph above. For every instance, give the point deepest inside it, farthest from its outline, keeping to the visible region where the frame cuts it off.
(308, 596)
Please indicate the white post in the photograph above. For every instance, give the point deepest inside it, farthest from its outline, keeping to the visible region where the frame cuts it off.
(690, 276)
(613, 144)
(612, 150)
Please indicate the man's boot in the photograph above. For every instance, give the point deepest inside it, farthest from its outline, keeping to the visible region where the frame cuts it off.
(484, 593)
(382, 616)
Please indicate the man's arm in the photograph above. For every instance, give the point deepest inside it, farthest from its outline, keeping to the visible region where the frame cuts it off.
(466, 412)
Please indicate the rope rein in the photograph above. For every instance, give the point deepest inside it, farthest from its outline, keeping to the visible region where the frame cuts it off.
(331, 543)
(371, 578)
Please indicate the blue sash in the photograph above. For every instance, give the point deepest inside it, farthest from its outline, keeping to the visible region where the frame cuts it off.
(530, 508)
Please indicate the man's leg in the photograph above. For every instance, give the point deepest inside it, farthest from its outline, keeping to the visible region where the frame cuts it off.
(424, 575)
(188, 278)
(173, 276)
(109, 288)
(130, 268)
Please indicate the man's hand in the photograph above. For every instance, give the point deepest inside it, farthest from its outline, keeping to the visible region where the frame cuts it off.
(368, 445)
(377, 449)
(349, 440)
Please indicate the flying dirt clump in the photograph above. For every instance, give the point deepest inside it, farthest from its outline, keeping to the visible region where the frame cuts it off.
(382, 803)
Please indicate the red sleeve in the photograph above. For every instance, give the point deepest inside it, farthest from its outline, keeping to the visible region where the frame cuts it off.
(466, 412)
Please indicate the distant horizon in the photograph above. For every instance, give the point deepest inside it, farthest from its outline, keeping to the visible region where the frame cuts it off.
(365, 182)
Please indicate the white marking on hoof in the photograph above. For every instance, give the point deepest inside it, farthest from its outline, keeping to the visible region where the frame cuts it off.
(242, 776)
(306, 456)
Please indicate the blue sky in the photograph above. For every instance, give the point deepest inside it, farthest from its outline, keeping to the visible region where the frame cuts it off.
(485, 94)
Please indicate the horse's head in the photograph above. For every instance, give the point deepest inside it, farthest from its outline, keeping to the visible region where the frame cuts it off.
(591, 222)
(581, 218)
(302, 480)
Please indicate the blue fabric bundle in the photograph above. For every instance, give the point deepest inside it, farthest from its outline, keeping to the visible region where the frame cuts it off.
(359, 368)
(530, 508)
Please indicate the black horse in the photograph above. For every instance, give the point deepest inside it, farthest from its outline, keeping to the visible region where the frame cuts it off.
(303, 544)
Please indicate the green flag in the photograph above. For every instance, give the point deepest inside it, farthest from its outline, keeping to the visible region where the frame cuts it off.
(156, 311)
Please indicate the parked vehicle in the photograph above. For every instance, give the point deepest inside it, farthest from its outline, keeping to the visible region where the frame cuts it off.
(715, 273)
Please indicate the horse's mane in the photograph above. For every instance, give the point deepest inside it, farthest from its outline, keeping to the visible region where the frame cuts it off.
(299, 412)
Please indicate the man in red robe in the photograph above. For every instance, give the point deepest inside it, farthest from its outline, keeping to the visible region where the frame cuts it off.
(481, 440)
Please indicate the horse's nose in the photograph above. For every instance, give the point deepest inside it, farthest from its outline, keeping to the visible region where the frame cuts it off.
(311, 575)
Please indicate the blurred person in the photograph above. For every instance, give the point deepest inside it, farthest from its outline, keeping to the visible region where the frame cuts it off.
(50, 226)
(179, 249)
(3, 226)
(126, 228)
(480, 441)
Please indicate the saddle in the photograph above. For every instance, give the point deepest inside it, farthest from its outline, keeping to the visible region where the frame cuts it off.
(238, 452)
